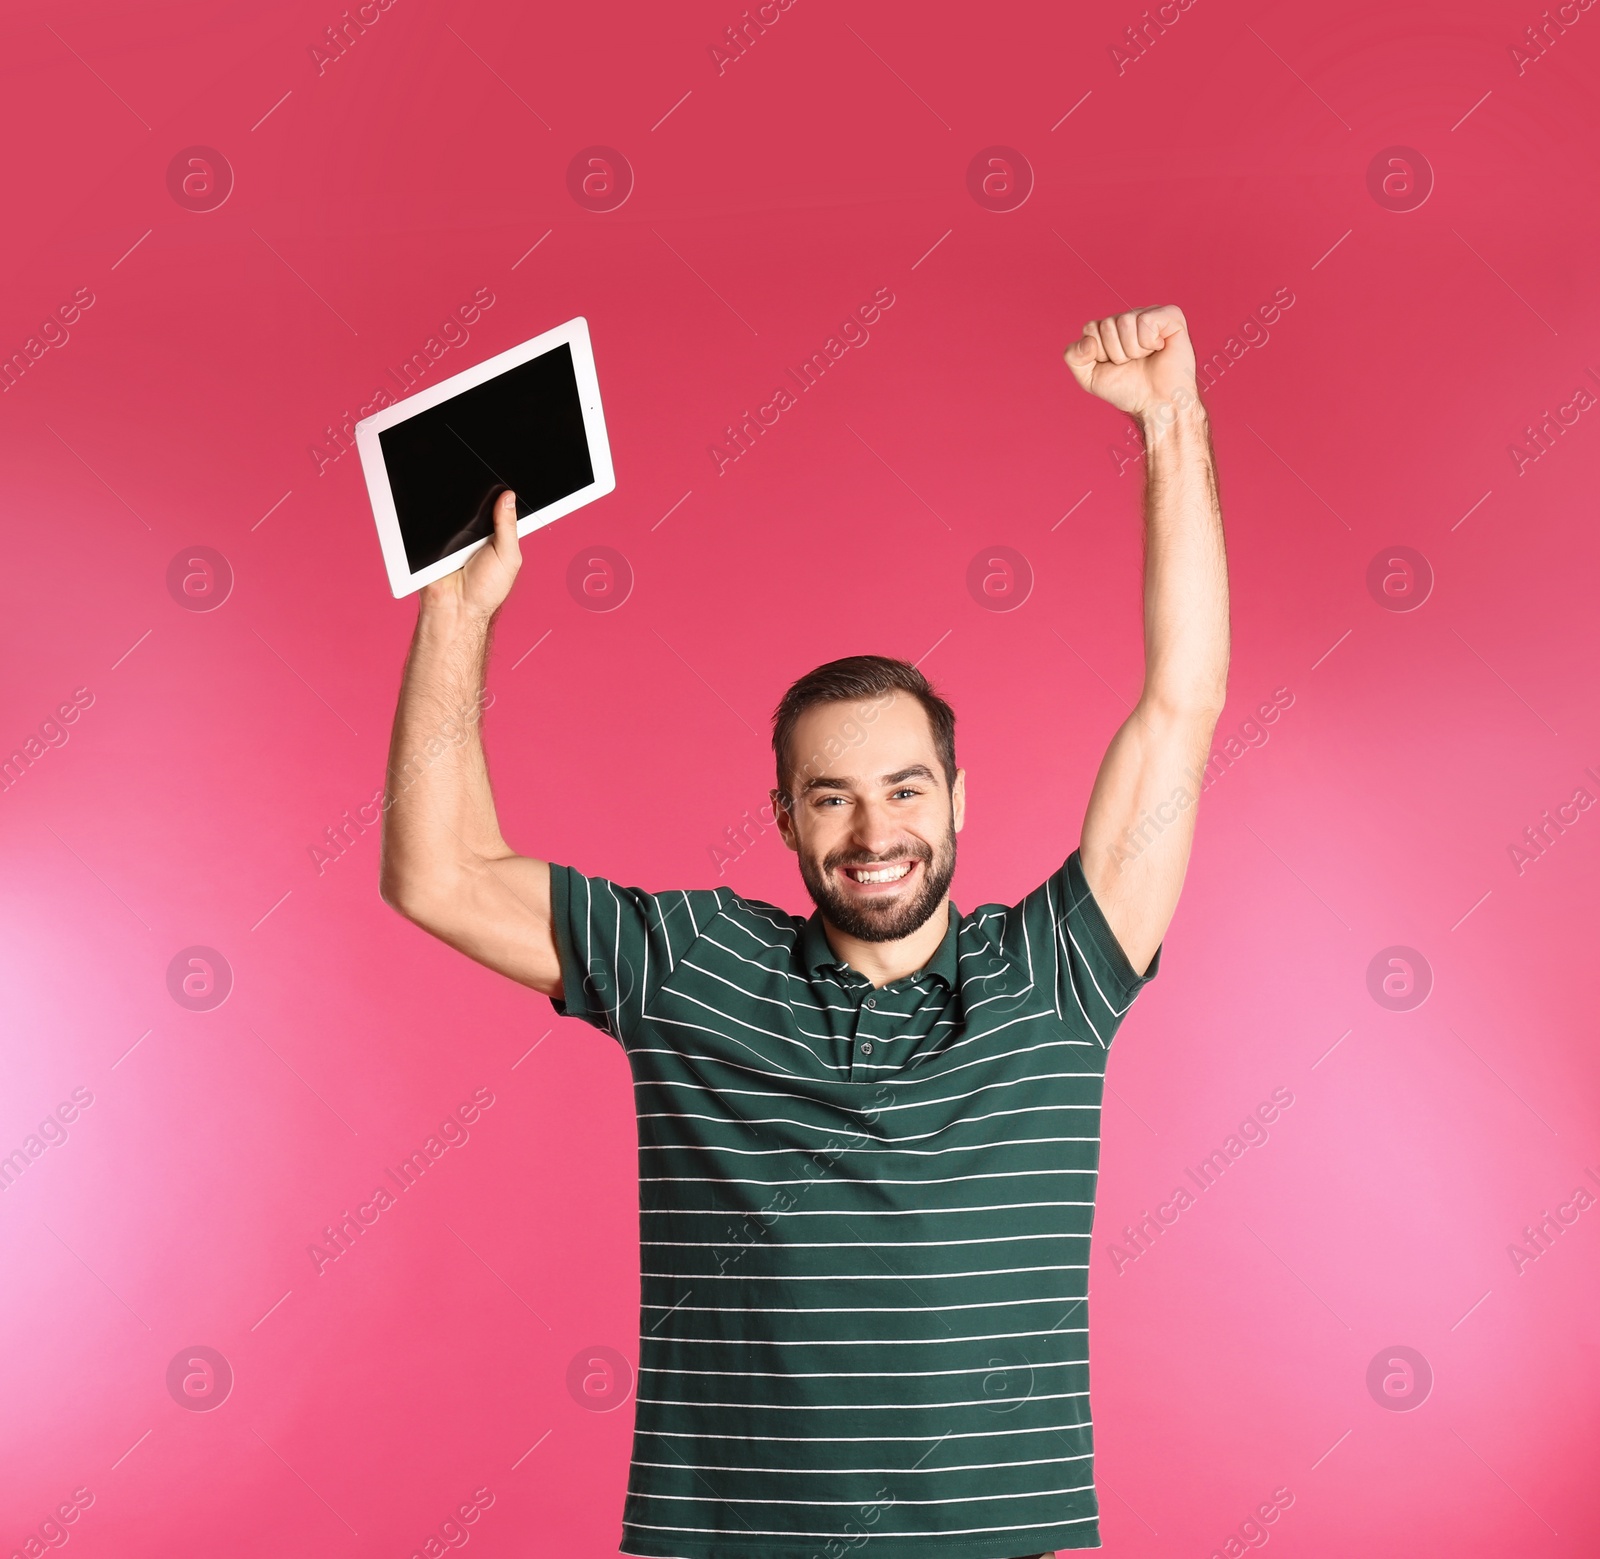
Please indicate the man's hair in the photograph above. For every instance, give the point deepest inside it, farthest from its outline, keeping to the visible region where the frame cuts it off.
(874, 680)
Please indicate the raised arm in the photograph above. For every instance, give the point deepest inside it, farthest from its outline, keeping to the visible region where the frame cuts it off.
(445, 865)
(1139, 826)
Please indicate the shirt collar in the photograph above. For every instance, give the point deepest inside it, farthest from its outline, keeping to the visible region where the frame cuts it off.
(818, 954)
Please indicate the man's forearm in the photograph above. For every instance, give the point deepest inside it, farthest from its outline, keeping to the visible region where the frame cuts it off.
(1186, 570)
(439, 813)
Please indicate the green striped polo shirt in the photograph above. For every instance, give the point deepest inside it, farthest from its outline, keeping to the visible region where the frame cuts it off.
(864, 1220)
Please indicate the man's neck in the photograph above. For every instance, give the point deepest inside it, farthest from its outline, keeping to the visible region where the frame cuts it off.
(885, 962)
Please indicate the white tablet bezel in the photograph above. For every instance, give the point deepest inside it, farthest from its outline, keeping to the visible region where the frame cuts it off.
(574, 333)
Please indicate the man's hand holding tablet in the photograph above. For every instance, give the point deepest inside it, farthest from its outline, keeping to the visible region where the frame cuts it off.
(436, 463)
(475, 592)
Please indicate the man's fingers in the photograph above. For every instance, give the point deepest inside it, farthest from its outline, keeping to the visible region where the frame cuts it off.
(1110, 344)
(1110, 341)
(505, 529)
(1127, 328)
(1123, 338)
(1136, 333)
(1157, 324)
(1088, 345)
(1083, 354)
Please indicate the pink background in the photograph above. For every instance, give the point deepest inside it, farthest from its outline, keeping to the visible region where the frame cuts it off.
(431, 1360)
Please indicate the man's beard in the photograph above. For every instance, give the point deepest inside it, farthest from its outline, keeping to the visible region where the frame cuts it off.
(877, 920)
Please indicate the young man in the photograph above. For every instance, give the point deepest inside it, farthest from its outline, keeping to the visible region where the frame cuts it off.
(868, 1140)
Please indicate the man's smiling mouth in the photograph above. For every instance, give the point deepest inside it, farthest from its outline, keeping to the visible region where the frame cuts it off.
(875, 874)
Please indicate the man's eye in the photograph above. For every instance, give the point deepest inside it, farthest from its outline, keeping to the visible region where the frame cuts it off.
(908, 790)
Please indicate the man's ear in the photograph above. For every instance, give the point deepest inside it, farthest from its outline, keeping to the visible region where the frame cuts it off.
(958, 801)
(784, 820)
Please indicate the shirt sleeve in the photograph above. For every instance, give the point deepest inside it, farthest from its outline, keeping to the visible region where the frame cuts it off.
(618, 944)
(1070, 942)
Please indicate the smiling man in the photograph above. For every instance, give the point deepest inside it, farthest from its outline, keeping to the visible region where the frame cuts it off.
(868, 1139)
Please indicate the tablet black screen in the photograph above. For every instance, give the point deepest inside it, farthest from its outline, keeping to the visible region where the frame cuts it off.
(523, 429)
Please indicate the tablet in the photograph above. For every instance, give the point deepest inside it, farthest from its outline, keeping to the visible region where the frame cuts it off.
(528, 419)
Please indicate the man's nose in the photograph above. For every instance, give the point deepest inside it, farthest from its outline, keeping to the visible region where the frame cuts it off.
(874, 828)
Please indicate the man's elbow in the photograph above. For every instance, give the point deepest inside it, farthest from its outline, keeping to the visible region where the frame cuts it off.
(406, 895)
(401, 903)
(1195, 704)
(1193, 688)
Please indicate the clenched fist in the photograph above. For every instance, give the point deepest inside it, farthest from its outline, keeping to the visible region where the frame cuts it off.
(1137, 361)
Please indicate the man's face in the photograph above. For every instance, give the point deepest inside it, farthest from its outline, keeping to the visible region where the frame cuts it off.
(874, 819)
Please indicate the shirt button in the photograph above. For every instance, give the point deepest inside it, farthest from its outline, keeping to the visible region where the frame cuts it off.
(866, 1047)
(872, 1001)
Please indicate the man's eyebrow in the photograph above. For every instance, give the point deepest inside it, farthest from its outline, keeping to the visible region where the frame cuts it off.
(916, 771)
(832, 782)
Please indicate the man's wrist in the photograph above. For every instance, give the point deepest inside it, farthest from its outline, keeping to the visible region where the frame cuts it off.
(1184, 409)
(447, 615)
(451, 622)
(1174, 427)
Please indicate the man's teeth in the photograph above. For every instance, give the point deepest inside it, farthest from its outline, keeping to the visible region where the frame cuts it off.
(885, 874)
